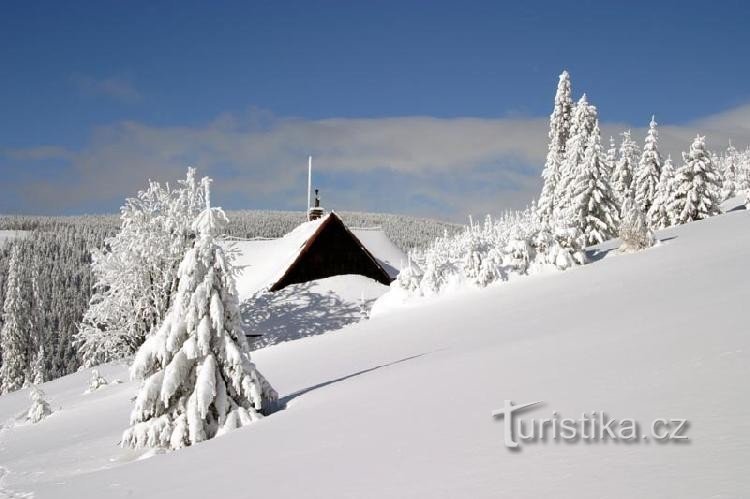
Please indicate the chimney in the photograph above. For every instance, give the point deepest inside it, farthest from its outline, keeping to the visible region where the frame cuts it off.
(315, 212)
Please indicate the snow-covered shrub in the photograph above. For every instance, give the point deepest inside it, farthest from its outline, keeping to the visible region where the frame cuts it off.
(97, 381)
(39, 409)
(566, 249)
(634, 231)
(518, 254)
(198, 379)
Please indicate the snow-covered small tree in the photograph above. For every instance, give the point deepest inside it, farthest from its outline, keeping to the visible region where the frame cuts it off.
(646, 178)
(559, 131)
(697, 185)
(39, 409)
(198, 379)
(730, 172)
(634, 231)
(742, 180)
(438, 269)
(409, 277)
(594, 208)
(518, 254)
(659, 215)
(15, 334)
(622, 176)
(97, 381)
(566, 249)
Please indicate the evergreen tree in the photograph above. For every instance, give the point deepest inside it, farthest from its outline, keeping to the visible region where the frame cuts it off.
(646, 179)
(595, 211)
(38, 371)
(697, 186)
(611, 159)
(622, 176)
(559, 131)
(582, 125)
(39, 409)
(659, 215)
(729, 168)
(198, 378)
(634, 231)
(15, 335)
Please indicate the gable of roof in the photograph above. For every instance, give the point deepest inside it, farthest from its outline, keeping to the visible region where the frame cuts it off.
(331, 249)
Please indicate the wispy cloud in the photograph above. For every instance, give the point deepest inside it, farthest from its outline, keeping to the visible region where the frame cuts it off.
(420, 165)
(115, 87)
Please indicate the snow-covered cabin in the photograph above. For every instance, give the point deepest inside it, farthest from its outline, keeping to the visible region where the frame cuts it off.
(320, 248)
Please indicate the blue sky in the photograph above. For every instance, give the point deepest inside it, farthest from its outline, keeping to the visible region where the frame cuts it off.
(399, 102)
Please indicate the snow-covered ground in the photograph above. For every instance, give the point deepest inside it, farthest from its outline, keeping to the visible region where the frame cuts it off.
(400, 405)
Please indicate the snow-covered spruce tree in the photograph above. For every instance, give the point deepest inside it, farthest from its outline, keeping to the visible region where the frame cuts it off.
(15, 335)
(581, 127)
(646, 178)
(742, 180)
(409, 277)
(38, 371)
(39, 407)
(611, 159)
(634, 231)
(198, 380)
(659, 215)
(729, 168)
(594, 208)
(36, 353)
(622, 176)
(559, 131)
(697, 186)
(136, 275)
(438, 268)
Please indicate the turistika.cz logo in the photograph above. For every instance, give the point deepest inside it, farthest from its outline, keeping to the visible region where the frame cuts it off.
(593, 426)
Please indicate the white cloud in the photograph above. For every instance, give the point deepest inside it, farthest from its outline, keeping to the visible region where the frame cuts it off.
(421, 165)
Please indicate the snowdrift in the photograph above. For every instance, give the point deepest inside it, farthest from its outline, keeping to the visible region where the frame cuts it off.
(400, 405)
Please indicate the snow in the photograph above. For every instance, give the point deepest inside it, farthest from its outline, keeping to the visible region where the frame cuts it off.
(400, 405)
(308, 309)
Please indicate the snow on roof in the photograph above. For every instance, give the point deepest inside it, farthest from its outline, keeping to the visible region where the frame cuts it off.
(388, 254)
(262, 262)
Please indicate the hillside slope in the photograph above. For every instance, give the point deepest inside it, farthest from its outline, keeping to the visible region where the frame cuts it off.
(400, 406)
